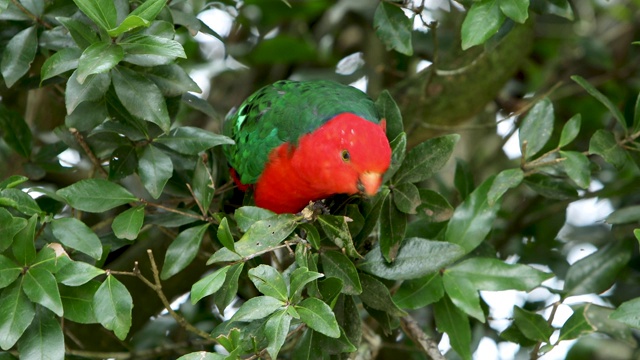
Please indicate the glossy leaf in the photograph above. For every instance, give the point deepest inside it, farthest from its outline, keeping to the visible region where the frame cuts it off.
(624, 215)
(149, 9)
(406, 198)
(393, 28)
(203, 355)
(551, 188)
(517, 10)
(248, 215)
(203, 184)
(12, 181)
(123, 162)
(496, 275)
(393, 225)
(536, 127)
(16, 313)
(276, 330)
(152, 107)
(18, 55)
(15, 131)
(75, 234)
(417, 293)
(617, 114)
(98, 58)
(371, 211)
(149, 50)
(43, 339)
(417, 257)
(601, 319)
(41, 287)
(128, 223)
(82, 34)
(389, 110)
(483, 20)
(92, 89)
(451, 320)
(155, 168)
(576, 325)
(102, 12)
(376, 295)
(463, 179)
(209, 284)
(9, 271)
(603, 143)
(60, 62)
(570, 130)
(337, 230)
(319, 317)
(434, 207)
(172, 80)
(596, 272)
(227, 293)
(77, 273)
(463, 295)
(300, 277)
(95, 195)
(336, 264)
(628, 313)
(129, 23)
(398, 153)
(269, 282)
(257, 308)
(426, 159)
(224, 235)
(20, 201)
(506, 179)
(113, 306)
(9, 227)
(191, 141)
(265, 234)
(182, 250)
(23, 248)
(532, 325)
(576, 165)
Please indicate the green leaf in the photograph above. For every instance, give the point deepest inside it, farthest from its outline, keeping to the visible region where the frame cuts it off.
(269, 281)
(113, 306)
(203, 184)
(149, 50)
(9, 227)
(12, 181)
(551, 188)
(417, 257)
(276, 329)
(301, 277)
(338, 232)
(506, 179)
(434, 207)
(191, 141)
(265, 234)
(41, 287)
(515, 9)
(82, 34)
(182, 250)
(311, 234)
(329, 290)
(23, 247)
(336, 264)
(227, 293)
(389, 110)
(636, 116)
(570, 130)
(21, 201)
(223, 255)
(102, 12)
(93, 88)
(202, 355)
(560, 8)
(617, 114)
(376, 295)
(576, 325)
(155, 169)
(248, 215)
(172, 80)
(60, 62)
(371, 211)
(18, 55)
(16, 313)
(604, 144)
(398, 153)
(463, 295)
(149, 9)
(483, 20)
(496, 275)
(75, 234)
(472, 220)
(393, 28)
(406, 197)
(536, 127)
(95, 195)
(77, 302)
(319, 317)
(463, 179)
(624, 215)
(9, 271)
(576, 165)
(426, 159)
(129, 23)
(123, 162)
(628, 313)
(98, 58)
(417, 293)
(224, 235)
(15, 131)
(393, 225)
(600, 318)
(77, 273)
(450, 320)
(209, 284)
(532, 325)
(596, 272)
(257, 308)
(152, 107)
(128, 223)
(43, 339)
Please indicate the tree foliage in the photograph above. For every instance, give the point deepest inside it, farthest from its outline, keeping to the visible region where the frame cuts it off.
(115, 199)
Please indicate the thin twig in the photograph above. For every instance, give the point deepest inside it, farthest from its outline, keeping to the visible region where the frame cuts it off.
(87, 150)
(426, 344)
(176, 211)
(31, 15)
(536, 349)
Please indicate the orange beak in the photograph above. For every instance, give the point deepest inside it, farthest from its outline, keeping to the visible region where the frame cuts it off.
(369, 183)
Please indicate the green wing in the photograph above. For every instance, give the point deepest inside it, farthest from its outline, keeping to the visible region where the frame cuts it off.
(283, 112)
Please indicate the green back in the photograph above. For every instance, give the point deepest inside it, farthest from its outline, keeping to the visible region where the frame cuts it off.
(283, 112)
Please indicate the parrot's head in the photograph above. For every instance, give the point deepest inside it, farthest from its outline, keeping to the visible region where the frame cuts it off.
(346, 155)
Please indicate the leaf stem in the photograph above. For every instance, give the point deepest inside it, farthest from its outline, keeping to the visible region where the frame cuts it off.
(411, 327)
(87, 150)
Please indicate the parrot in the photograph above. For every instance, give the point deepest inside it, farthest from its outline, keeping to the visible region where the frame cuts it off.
(298, 142)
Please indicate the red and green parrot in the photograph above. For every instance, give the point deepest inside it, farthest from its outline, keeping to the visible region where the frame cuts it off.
(297, 142)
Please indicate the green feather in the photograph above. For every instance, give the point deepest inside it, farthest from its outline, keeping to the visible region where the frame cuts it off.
(282, 113)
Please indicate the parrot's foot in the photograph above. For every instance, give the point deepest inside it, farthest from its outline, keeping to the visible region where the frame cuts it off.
(315, 208)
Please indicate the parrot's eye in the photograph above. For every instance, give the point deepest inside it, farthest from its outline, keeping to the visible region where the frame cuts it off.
(346, 156)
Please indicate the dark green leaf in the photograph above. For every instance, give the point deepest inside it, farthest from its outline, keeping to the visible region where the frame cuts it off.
(390, 111)
(224, 235)
(600, 318)
(596, 272)
(60, 62)
(628, 313)
(227, 293)
(23, 246)
(371, 211)
(299, 278)
(128, 223)
(338, 232)
(149, 50)
(223, 255)
(9, 271)
(393, 28)
(417, 257)
(199, 104)
(276, 330)
(560, 8)
(398, 153)
(113, 306)
(463, 295)
(77, 273)
(550, 187)
(129, 23)
(95, 195)
(149, 9)
(576, 325)
(496, 275)
(336, 264)
(43, 339)
(172, 80)
(269, 281)
(93, 88)
(123, 162)
(570, 130)
(376, 295)
(18, 55)
(329, 290)
(450, 320)
(463, 179)
(87, 116)
(506, 179)
(426, 159)
(318, 316)
(265, 234)
(248, 215)
(209, 284)
(406, 197)
(78, 302)
(9, 227)
(191, 141)
(16, 313)
(532, 325)
(483, 20)
(536, 127)
(203, 184)
(434, 207)
(604, 144)
(98, 58)
(257, 308)
(514, 335)
(617, 114)
(393, 225)
(155, 168)
(76, 235)
(151, 107)
(472, 220)
(102, 12)
(182, 250)
(625, 215)
(21, 201)
(417, 293)
(82, 34)
(15, 131)
(12, 181)
(576, 165)
(203, 355)
(311, 234)
(515, 9)
(41, 287)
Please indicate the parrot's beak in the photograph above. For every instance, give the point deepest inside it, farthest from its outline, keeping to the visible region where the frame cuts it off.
(369, 183)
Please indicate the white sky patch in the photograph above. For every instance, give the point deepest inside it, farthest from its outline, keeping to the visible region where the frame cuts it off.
(487, 349)
(350, 64)
(580, 251)
(361, 84)
(504, 127)
(501, 306)
(218, 20)
(423, 64)
(588, 211)
(69, 158)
